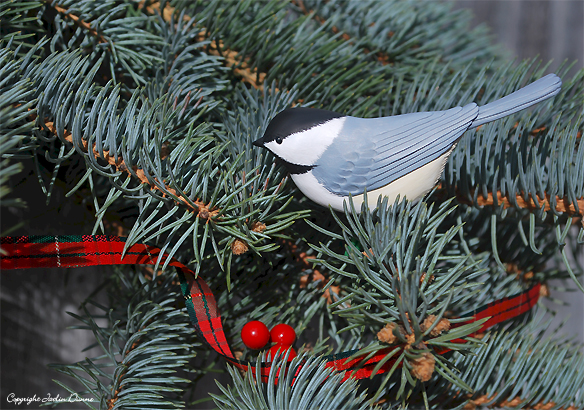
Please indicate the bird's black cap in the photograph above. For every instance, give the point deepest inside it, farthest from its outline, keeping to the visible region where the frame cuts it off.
(295, 120)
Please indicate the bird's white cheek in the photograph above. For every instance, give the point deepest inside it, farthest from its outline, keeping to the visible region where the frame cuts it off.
(306, 147)
(292, 152)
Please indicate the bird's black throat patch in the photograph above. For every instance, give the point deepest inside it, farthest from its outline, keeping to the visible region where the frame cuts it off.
(295, 168)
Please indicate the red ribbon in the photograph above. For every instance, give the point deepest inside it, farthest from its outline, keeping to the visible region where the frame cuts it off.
(24, 252)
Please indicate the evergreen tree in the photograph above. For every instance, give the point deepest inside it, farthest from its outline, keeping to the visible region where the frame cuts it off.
(162, 101)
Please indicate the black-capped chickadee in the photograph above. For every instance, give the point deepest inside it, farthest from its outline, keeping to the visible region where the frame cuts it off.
(330, 155)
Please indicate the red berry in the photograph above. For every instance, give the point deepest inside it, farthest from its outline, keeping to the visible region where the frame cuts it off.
(280, 351)
(255, 334)
(283, 334)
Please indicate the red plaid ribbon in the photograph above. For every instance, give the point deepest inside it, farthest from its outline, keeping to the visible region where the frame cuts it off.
(89, 250)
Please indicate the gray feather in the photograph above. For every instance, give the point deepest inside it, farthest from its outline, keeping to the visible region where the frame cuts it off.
(535, 92)
(371, 153)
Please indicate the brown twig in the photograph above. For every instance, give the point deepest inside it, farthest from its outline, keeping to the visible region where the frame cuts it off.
(200, 208)
(231, 58)
(241, 67)
(81, 23)
(514, 402)
(315, 276)
(383, 58)
(563, 205)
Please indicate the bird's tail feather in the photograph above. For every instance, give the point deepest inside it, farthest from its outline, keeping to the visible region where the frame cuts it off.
(535, 92)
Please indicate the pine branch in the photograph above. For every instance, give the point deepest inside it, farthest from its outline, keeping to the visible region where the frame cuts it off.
(383, 58)
(200, 209)
(303, 383)
(144, 344)
(19, 21)
(492, 402)
(562, 205)
(79, 22)
(395, 30)
(230, 58)
(408, 269)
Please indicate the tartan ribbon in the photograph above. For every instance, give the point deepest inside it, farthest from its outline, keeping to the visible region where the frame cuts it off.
(24, 252)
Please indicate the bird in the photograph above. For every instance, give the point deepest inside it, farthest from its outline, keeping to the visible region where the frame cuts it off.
(332, 157)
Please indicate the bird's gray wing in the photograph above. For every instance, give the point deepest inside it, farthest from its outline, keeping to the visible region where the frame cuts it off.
(371, 153)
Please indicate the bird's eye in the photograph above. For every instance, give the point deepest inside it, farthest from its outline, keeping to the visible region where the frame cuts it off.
(279, 140)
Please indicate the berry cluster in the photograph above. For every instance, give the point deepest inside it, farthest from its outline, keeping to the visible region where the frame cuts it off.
(255, 335)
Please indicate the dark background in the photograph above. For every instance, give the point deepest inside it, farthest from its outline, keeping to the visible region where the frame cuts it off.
(34, 303)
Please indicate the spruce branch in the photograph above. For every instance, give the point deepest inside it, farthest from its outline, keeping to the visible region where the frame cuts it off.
(519, 367)
(19, 22)
(162, 103)
(397, 276)
(394, 31)
(103, 27)
(492, 402)
(145, 167)
(79, 22)
(146, 342)
(15, 124)
(381, 57)
(303, 383)
(199, 208)
(231, 58)
(562, 205)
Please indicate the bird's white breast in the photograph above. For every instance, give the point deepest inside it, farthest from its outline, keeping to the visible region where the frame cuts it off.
(413, 186)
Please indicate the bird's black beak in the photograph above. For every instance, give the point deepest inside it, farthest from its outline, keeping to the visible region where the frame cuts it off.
(259, 142)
